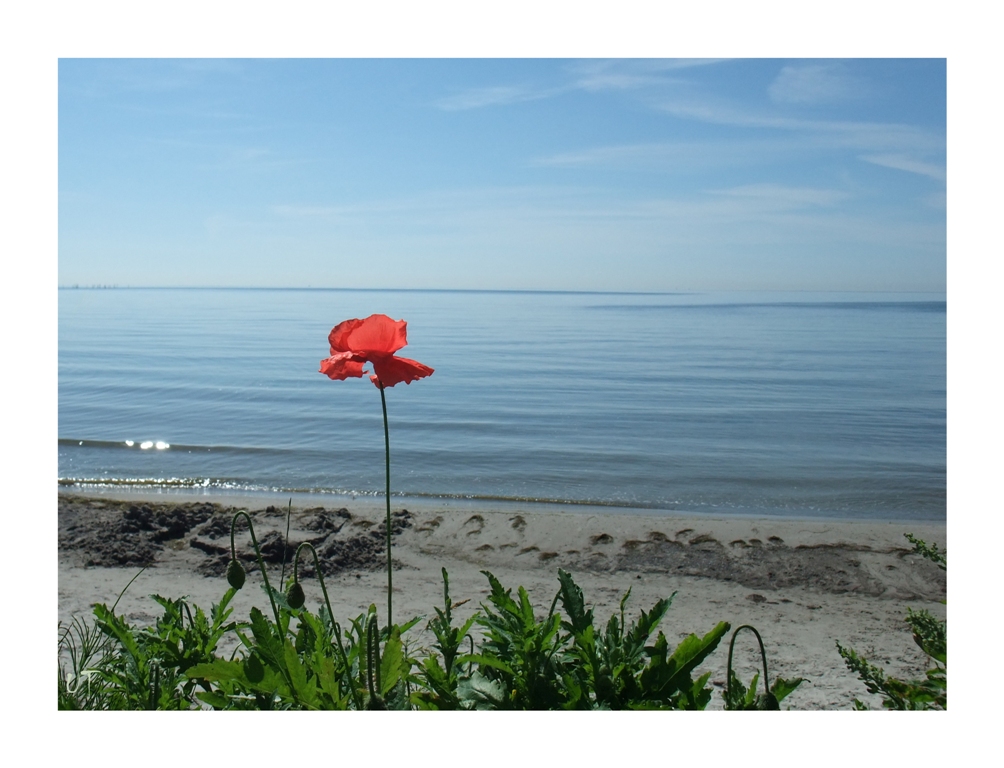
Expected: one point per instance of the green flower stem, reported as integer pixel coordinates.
(261, 563)
(285, 544)
(331, 614)
(390, 567)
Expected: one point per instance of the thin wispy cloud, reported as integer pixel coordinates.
(779, 196)
(838, 133)
(210, 155)
(619, 75)
(622, 156)
(637, 66)
(493, 96)
(600, 75)
(908, 164)
(683, 156)
(814, 84)
(164, 75)
(619, 81)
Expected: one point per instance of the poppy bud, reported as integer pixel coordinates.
(295, 596)
(235, 574)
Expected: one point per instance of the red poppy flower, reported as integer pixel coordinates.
(373, 340)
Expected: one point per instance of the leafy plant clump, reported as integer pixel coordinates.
(931, 635)
(567, 662)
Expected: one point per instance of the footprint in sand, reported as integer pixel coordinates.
(478, 521)
(601, 538)
(431, 526)
(518, 523)
(704, 538)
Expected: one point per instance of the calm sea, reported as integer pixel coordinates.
(829, 405)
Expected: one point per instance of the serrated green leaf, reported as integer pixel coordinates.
(573, 601)
(305, 690)
(666, 677)
(217, 671)
(487, 661)
(481, 693)
(392, 663)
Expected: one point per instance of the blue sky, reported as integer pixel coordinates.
(504, 174)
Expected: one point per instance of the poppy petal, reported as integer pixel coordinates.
(377, 335)
(341, 366)
(338, 338)
(392, 370)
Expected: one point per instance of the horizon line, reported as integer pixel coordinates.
(681, 292)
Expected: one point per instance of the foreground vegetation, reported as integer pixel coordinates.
(297, 659)
(506, 656)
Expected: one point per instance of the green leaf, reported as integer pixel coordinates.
(481, 693)
(782, 687)
(213, 699)
(253, 669)
(266, 642)
(487, 661)
(409, 624)
(574, 604)
(219, 670)
(666, 677)
(392, 663)
(304, 690)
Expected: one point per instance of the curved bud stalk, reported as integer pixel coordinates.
(770, 700)
(296, 593)
(237, 570)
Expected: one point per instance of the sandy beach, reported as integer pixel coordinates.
(804, 584)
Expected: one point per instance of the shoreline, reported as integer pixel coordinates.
(805, 584)
(254, 499)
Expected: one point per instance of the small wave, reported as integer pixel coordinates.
(161, 445)
(210, 483)
(199, 483)
(148, 482)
